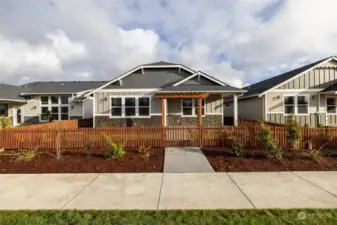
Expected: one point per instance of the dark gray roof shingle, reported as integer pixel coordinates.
(160, 63)
(60, 86)
(331, 88)
(11, 92)
(262, 86)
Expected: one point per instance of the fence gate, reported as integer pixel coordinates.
(179, 136)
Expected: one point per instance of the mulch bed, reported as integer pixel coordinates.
(77, 161)
(223, 161)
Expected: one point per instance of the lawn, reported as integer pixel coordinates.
(214, 217)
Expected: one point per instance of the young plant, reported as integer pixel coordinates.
(88, 149)
(237, 149)
(25, 155)
(5, 122)
(320, 125)
(114, 150)
(293, 134)
(58, 145)
(145, 151)
(269, 145)
(316, 154)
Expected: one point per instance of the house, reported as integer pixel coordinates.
(308, 92)
(31, 102)
(155, 94)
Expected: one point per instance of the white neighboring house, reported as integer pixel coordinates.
(308, 92)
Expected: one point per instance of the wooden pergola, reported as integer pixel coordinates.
(175, 95)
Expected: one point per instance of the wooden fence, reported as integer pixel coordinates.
(133, 137)
(65, 124)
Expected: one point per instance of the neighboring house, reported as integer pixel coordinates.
(160, 94)
(156, 94)
(309, 92)
(30, 102)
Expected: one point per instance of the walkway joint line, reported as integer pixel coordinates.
(161, 188)
(241, 190)
(81, 190)
(313, 184)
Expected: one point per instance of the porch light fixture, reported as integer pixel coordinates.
(313, 97)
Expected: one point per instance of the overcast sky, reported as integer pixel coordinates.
(239, 42)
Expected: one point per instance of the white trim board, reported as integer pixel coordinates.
(200, 73)
(128, 90)
(296, 90)
(300, 74)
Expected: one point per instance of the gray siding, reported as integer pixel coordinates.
(302, 120)
(250, 108)
(321, 77)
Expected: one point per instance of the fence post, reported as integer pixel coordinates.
(200, 136)
(163, 137)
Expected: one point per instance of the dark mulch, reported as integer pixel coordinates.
(76, 161)
(223, 161)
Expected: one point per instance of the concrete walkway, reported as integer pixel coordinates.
(186, 160)
(169, 191)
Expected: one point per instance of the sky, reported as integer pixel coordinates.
(238, 41)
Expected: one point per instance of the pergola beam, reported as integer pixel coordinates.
(181, 95)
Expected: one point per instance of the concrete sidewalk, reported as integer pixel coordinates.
(186, 160)
(169, 191)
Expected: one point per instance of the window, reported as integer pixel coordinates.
(130, 106)
(296, 104)
(302, 104)
(190, 107)
(331, 105)
(116, 106)
(144, 106)
(55, 106)
(3, 109)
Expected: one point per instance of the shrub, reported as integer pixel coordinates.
(269, 145)
(5, 122)
(88, 149)
(114, 150)
(320, 125)
(145, 151)
(306, 125)
(293, 134)
(24, 155)
(315, 155)
(237, 149)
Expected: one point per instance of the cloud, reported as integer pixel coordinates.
(236, 41)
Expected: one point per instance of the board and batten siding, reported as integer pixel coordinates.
(320, 77)
(214, 104)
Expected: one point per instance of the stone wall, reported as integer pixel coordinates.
(177, 120)
(106, 121)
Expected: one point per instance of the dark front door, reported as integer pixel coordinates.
(18, 116)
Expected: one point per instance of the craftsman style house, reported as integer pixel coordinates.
(156, 94)
(309, 93)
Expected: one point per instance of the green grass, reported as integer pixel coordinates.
(193, 217)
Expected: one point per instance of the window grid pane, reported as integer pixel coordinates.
(54, 100)
(44, 100)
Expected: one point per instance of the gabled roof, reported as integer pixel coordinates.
(160, 63)
(332, 88)
(11, 93)
(200, 73)
(261, 87)
(59, 87)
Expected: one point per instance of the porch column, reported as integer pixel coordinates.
(163, 112)
(235, 106)
(200, 111)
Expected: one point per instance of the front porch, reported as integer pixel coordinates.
(194, 108)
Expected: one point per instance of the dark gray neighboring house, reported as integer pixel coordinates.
(308, 92)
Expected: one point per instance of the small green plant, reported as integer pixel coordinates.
(114, 150)
(315, 155)
(306, 125)
(293, 134)
(320, 125)
(88, 149)
(5, 122)
(23, 155)
(269, 145)
(145, 151)
(237, 149)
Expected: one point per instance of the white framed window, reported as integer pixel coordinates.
(3, 109)
(130, 106)
(56, 106)
(296, 104)
(189, 107)
(331, 105)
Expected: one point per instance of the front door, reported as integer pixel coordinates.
(17, 116)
